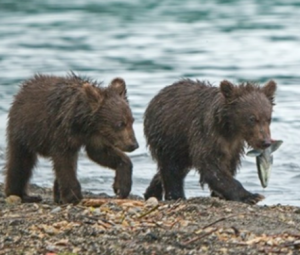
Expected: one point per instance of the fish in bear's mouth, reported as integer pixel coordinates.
(264, 161)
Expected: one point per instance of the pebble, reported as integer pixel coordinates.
(152, 201)
(56, 209)
(13, 200)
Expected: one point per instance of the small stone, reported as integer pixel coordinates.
(13, 200)
(297, 211)
(134, 210)
(49, 229)
(50, 248)
(228, 210)
(297, 244)
(249, 208)
(56, 209)
(170, 248)
(125, 236)
(152, 201)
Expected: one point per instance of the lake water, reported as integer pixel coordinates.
(151, 44)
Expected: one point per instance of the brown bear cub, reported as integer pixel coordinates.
(192, 124)
(56, 116)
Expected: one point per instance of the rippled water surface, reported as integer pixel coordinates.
(152, 44)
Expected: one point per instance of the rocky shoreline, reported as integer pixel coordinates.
(104, 225)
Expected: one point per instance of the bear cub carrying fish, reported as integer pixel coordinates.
(191, 124)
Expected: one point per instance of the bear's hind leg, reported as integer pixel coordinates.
(155, 188)
(20, 163)
(172, 176)
(67, 188)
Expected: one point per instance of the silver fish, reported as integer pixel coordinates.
(264, 161)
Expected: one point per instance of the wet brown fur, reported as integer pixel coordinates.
(192, 124)
(54, 117)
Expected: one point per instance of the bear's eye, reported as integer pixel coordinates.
(121, 125)
(252, 120)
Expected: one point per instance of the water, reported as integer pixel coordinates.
(152, 44)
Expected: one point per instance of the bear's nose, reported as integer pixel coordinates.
(266, 143)
(132, 147)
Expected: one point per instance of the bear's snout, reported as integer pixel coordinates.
(266, 143)
(132, 147)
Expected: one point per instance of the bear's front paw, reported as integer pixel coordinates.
(71, 198)
(70, 194)
(252, 199)
(122, 188)
(31, 199)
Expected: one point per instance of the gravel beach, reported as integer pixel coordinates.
(104, 225)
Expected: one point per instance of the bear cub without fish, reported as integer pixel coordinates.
(192, 124)
(54, 117)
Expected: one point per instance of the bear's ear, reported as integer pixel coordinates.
(94, 97)
(227, 89)
(119, 85)
(269, 90)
